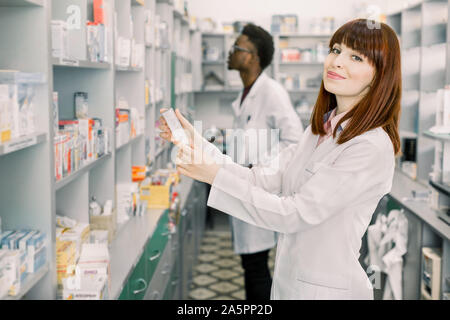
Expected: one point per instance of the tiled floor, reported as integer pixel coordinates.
(218, 274)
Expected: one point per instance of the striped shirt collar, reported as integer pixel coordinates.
(334, 119)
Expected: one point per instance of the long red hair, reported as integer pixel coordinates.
(380, 107)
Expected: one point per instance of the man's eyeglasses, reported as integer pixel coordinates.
(235, 48)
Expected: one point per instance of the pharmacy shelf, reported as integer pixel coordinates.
(178, 14)
(212, 34)
(80, 64)
(443, 188)
(22, 143)
(21, 3)
(128, 69)
(131, 141)
(185, 59)
(26, 26)
(213, 63)
(30, 282)
(402, 188)
(441, 137)
(73, 176)
(127, 248)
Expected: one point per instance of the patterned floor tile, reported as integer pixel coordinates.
(206, 257)
(240, 295)
(210, 248)
(225, 244)
(219, 274)
(225, 263)
(204, 280)
(225, 274)
(222, 234)
(210, 240)
(201, 294)
(238, 268)
(225, 252)
(223, 287)
(205, 267)
(239, 281)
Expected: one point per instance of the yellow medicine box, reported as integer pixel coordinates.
(157, 197)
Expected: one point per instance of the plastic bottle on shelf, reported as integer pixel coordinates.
(94, 208)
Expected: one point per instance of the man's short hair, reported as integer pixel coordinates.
(263, 42)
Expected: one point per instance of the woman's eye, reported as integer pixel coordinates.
(356, 58)
(335, 50)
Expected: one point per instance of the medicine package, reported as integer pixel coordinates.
(175, 126)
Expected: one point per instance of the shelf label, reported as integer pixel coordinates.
(14, 146)
(69, 62)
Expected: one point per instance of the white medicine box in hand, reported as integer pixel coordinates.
(175, 126)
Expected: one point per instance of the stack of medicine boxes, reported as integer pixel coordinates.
(22, 253)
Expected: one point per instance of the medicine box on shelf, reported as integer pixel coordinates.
(105, 222)
(158, 196)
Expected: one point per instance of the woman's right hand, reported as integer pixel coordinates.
(166, 134)
(196, 142)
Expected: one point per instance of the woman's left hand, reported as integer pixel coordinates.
(196, 164)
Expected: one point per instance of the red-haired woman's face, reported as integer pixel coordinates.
(347, 73)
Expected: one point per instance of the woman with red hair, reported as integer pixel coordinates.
(321, 193)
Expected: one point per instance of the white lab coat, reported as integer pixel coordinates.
(387, 241)
(321, 201)
(269, 107)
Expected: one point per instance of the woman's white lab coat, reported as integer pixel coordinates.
(267, 106)
(321, 201)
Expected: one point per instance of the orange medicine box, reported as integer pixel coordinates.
(138, 173)
(99, 12)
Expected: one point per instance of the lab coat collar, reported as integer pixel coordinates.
(236, 105)
(254, 89)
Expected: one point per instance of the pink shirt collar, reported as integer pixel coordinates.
(330, 122)
(333, 120)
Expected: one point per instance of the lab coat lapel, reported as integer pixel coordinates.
(323, 149)
(248, 104)
(328, 145)
(235, 105)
